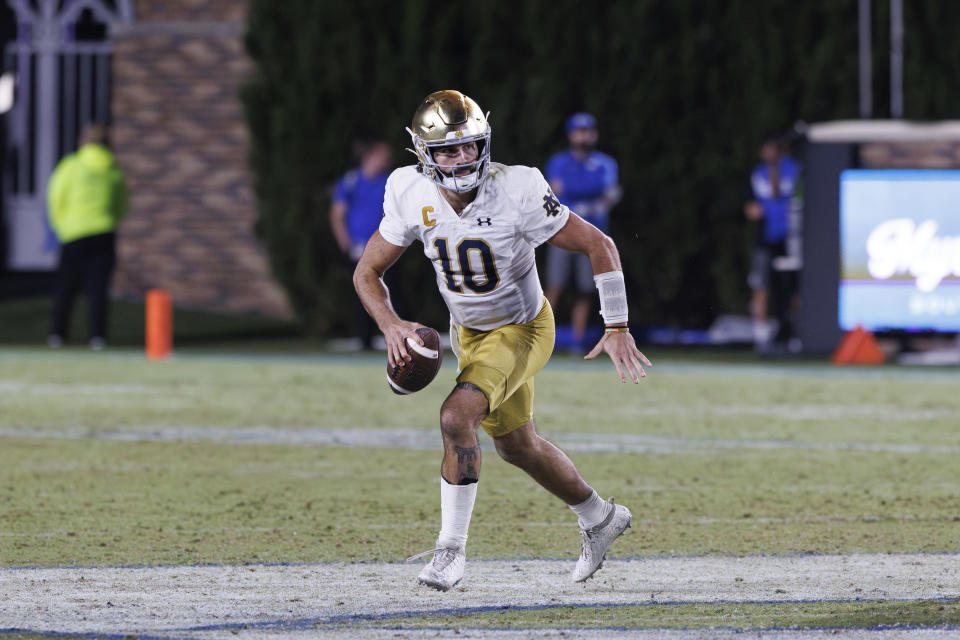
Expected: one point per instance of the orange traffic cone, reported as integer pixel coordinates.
(858, 347)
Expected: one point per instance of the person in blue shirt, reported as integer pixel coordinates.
(586, 181)
(773, 183)
(357, 209)
(357, 206)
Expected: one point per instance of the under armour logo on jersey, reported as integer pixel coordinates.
(550, 204)
(484, 221)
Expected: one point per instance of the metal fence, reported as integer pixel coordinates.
(61, 58)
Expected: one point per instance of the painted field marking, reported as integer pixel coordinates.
(184, 600)
(663, 366)
(15, 387)
(429, 440)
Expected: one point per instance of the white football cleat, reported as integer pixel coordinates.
(445, 569)
(597, 539)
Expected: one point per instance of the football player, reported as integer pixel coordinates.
(479, 223)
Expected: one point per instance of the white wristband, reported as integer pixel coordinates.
(613, 296)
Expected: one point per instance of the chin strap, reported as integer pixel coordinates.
(452, 182)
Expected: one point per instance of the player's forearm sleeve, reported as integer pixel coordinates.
(613, 297)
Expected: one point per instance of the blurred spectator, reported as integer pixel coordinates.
(86, 198)
(357, 210)
(773, 183)
(586, 181)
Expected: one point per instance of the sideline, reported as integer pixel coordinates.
(259, 600)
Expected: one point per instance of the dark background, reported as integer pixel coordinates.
(684, 91)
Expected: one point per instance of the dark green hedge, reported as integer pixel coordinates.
(683, 89)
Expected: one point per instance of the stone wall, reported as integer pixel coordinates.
(179, 134)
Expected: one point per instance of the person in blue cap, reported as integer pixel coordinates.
(774, 182)
(585, 180)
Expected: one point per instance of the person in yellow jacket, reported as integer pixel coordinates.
(86, 198)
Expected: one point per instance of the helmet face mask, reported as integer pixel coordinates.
(445, 119)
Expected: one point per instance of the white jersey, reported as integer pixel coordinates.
(484, 258)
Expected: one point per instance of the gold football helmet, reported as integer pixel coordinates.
(447, 118)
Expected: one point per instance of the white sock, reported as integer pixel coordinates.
(456, 506)
(591, 511)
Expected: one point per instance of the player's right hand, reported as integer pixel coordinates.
(396, 335)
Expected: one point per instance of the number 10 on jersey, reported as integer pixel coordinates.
(486, 282)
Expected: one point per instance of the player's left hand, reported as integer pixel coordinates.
(622, 349)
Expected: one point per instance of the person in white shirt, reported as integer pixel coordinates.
(479, 223)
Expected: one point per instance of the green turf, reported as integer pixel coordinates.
(86, 501)
(802, 615)
(118, 389)
(93, 502)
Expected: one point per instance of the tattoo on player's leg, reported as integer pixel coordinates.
(467, 454)
(467, 470)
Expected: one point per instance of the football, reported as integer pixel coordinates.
(422, 369)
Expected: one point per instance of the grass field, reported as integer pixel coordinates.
(235, 459)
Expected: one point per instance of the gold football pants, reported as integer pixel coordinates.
(502, 363)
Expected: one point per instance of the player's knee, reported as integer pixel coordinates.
(462, 411)
(456, 423)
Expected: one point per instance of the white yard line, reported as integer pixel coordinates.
(429, 439)
(806, 412)
(214, 601)
(15, 387)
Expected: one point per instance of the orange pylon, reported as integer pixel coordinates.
(858, 347)
(159, 329)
